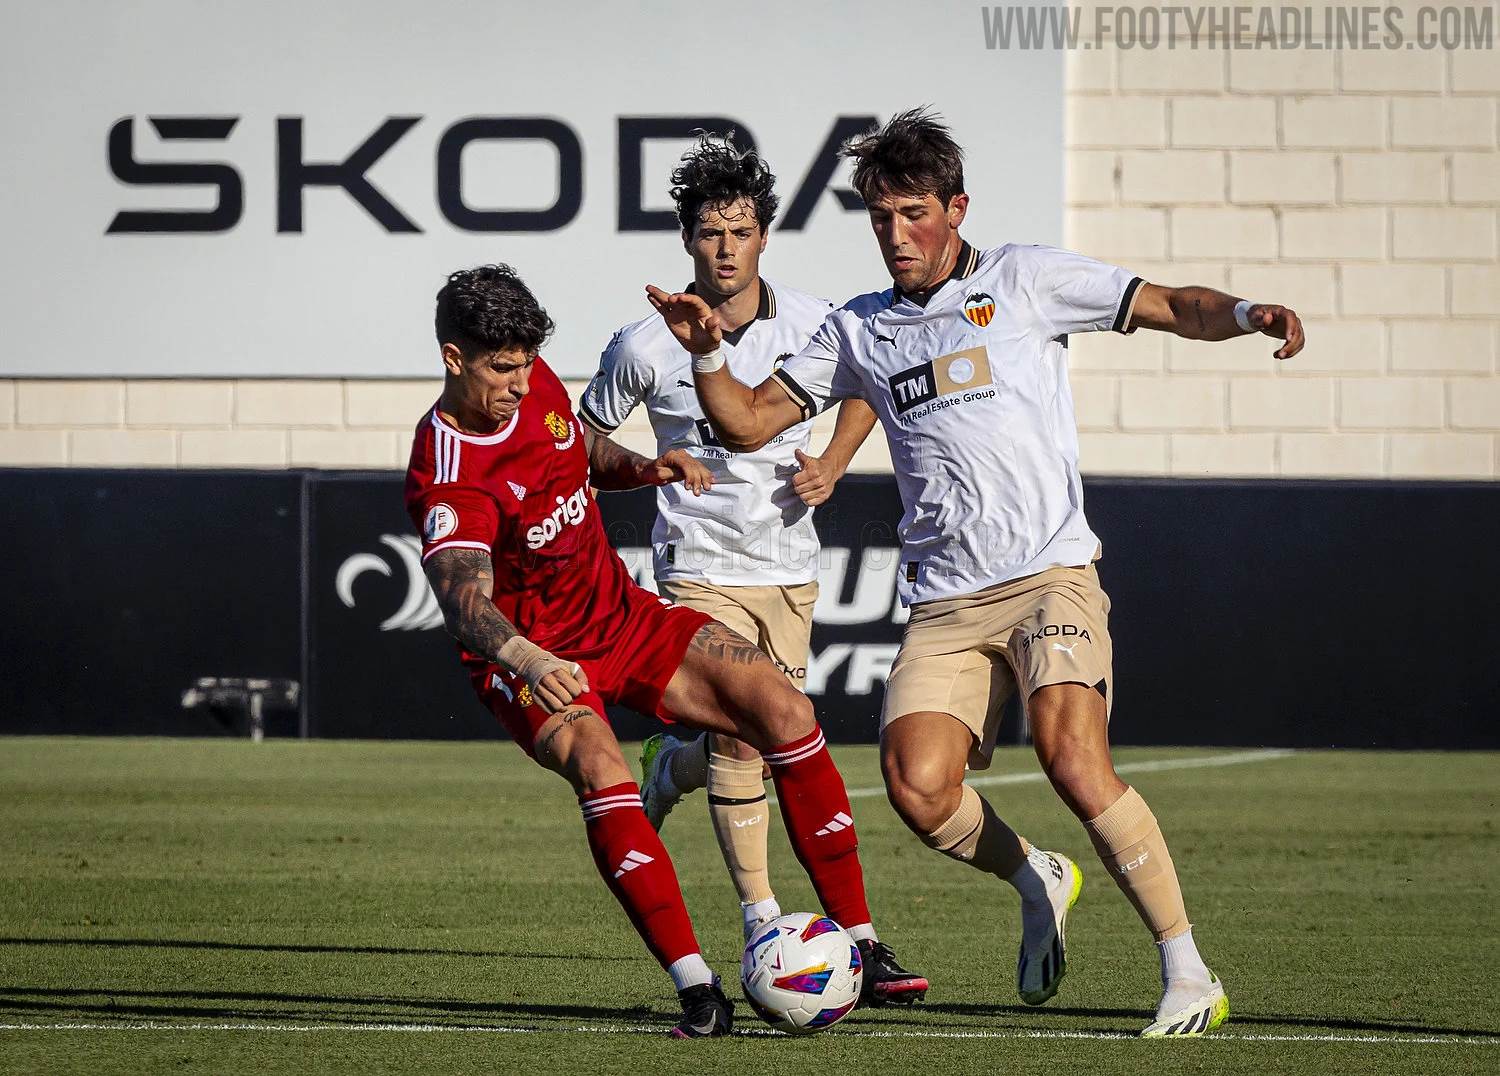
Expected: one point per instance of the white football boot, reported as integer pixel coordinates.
(1044, 945)
(1189, 1009)
(658, 794)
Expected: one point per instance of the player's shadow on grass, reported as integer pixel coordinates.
(258, 947)
(1237, 1019)
(319, 1008)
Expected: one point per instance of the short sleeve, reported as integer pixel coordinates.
(623, 381)
(821, 373)
(1074, 293)
(450, 515)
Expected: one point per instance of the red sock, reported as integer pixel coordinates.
(815, 808)
(638, 871)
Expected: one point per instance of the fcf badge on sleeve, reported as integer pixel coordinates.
(441, 521)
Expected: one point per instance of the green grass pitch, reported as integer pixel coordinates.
(220, 906)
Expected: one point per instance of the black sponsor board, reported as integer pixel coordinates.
(1302, 614)
(1244, 612)
(122, 587)
(380, 665)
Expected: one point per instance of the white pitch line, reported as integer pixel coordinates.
(1233, 758)
(1397, 1039)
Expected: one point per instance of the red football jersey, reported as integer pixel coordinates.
(522, 494)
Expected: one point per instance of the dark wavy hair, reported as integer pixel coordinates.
(488, 309)
(912, 154)
(716, 172)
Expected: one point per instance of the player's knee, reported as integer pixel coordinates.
(601, 766)
(1070, 734)
(1082, 775)
(583, 749)
(923, 790)
(784, 715)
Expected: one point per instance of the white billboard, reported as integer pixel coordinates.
(259, 189)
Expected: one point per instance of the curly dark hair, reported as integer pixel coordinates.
(913, 154)
(716, 172)
(488, 309)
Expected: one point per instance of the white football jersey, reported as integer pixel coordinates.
(751, 529)
(972, 390)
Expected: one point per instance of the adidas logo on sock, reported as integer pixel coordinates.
(633, 859)
(840, 822)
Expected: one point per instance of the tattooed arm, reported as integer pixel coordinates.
(1196, 313)
(613, 466)
(463, 580)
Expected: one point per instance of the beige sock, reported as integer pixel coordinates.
(737, 805)
(976, 836)
(1130, 843)
(689, 765)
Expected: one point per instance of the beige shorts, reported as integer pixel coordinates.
(965, 656)
(776, 619)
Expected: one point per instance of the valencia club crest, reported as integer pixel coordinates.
(980, 308)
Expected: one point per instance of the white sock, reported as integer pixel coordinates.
(691, 970)
(1180, 960)
(761, 909)
(862, 932)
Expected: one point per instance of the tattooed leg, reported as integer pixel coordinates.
(560, 723)
(726, 644)
(725, 684)
(580, 745)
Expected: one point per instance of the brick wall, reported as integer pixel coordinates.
(262, 424)
(1362, 188)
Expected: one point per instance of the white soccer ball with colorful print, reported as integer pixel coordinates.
(801, 973)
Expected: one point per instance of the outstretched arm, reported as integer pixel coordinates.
(613, 466)
(1196, 313)
(463, 581)
(744, 419)
(819, 474)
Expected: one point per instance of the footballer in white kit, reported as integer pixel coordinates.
(972, 390)
(964, 361)
(743, 549)
(750, 528)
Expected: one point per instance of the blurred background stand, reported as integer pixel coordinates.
(240, 703)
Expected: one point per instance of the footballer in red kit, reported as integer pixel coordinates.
(522, 495)
(552, 630)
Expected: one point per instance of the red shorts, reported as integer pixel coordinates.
(633, 671)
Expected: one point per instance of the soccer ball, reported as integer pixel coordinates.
(801, 973)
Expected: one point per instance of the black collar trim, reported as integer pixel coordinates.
(963, 266)
(764, 311)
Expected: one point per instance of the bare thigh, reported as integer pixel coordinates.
(726, 685)
(1070, 730)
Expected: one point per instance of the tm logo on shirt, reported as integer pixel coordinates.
(962, 370)
(706, 433)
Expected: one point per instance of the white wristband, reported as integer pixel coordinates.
(710, 363)
(1242, 315)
